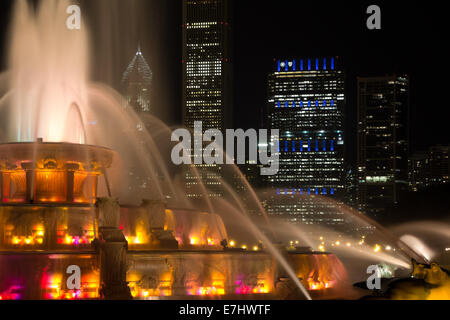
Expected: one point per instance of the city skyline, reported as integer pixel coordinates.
(359, 51)
(341, 31)
(223, 150)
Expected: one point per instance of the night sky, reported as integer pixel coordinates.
(413, 41)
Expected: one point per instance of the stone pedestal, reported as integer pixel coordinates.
(284, 286)
(163, 239)
(112, 248)
(159, 237)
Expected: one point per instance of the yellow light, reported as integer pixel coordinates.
(139, 238)
(244, 247)
(255, 248)
(232, 243)
(193, 240)
(16, 240)
(40, 233)
(388, 248)
(377, 248)
(348, 244)
(338, 243)
(321, 238)
(321, 248)
(27, 240)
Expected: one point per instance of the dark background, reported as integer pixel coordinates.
(413, 41)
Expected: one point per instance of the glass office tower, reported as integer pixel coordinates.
(306, 103)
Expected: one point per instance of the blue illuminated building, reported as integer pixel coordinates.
(307, 106)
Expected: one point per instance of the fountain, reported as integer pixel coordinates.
(67, 198)
(51, 217)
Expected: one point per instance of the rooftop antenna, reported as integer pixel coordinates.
(139, 48)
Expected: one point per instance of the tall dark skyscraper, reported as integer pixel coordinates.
(418, 171)
(306, 103)
(383, 104)
(207, 77)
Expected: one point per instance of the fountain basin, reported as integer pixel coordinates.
(48, 222)
(181, 274)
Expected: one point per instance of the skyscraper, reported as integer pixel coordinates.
(439, 165)
(418, 171)
(306, 103)
(136, 83)
(429, 169)
(136, 90)
(383, 104)
(207, 77)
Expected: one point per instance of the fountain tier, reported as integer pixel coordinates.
(51, 172)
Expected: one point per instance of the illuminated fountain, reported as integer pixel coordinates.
(67, 199)
(51, 218)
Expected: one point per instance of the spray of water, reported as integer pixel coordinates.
(267, 243)
(418, 246)
(49, 63)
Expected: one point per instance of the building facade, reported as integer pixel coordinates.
(428, 169)
(306, 103)
(207, 79)
(382, 151)
(439, 165)
(418, 171)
